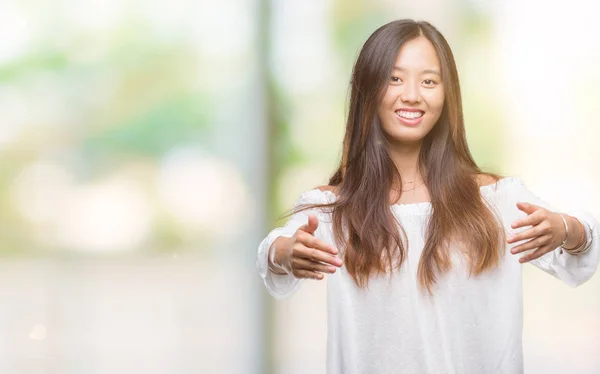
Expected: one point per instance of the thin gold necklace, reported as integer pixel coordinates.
(410, 189)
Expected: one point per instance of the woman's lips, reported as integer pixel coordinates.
(400, 114)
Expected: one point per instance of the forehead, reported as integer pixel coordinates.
(418, 54)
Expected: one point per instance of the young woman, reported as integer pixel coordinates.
(422, 249)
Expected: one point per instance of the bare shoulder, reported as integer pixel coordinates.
(487, 179)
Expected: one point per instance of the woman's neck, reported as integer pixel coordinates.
(406, 160)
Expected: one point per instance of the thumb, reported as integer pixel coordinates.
(311, 226)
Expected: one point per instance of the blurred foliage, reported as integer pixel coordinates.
(126, 98)
(155, 130)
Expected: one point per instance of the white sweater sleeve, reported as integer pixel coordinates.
(573, 270)
(283, 286)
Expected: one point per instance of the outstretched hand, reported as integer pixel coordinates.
(303, 255)
(547, 232)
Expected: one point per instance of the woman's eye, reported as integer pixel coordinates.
(429, 82)
(395, 80)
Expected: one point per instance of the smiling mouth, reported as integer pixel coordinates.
(410, 114)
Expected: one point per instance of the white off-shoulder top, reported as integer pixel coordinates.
(471, 325)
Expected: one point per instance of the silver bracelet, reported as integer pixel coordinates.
(566, 230)
(587, 242)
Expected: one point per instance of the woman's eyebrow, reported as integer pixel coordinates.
(426, 71)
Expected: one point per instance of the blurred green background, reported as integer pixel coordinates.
(146, 148)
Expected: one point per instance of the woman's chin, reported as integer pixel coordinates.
(405, 140)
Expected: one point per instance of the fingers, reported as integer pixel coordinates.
(531, 244)
(304, 264)
(535, 254)
(310, 241)
(316, 255)
(304, 268)
(531, 220)
(538, 230)
(311, 256)
(308, 274)
(540, 234)
(528, 208)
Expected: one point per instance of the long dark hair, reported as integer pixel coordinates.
(363, 223)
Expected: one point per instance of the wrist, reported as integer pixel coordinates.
(274, 257)
(274, 270)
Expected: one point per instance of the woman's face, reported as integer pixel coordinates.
(414, 98)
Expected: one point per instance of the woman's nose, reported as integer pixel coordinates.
(410, 94)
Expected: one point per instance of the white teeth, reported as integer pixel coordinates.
(409, 115)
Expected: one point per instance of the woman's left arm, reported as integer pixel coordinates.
(545, 236)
